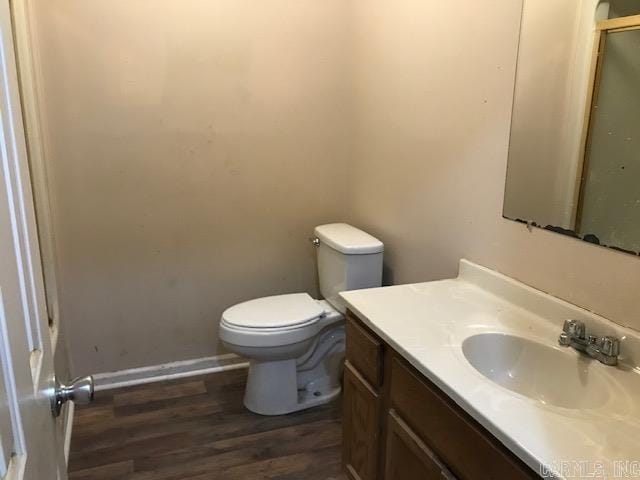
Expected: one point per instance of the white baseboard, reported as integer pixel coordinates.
(68, 429)
(168, 371)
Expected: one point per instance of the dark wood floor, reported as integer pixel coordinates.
(198, 429)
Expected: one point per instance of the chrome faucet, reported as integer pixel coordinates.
(604, 349)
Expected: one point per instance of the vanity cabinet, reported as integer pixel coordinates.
(398, 425)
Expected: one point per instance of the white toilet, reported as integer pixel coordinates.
(295, 344)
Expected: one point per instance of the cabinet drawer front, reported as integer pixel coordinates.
(361, 426)
(408, 458)
(454, 436)
(364, 351)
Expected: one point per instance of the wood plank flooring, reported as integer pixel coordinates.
(197, 429)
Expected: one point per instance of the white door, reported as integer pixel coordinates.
(30, 445)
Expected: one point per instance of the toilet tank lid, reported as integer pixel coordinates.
(347, 239)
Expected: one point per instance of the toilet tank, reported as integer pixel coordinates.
(348, 259)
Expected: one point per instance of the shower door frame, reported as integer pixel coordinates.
(603, 29)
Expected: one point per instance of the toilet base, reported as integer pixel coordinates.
(284, 386)
(278, 398)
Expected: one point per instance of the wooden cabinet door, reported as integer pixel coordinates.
(469, 450)
(408, 458)
(361, 426)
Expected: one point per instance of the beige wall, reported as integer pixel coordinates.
(435, 87)
(193, 146)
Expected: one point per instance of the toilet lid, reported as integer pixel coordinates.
(273, 312)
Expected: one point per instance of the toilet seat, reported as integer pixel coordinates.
(275, 312)
(270, 330)
(261, 337)
(274, 321)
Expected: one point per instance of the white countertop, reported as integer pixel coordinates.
(427, 322)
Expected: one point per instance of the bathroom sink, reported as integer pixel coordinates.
(543, 373)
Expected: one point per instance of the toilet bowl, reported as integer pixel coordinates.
(295, 344)
(292, 365)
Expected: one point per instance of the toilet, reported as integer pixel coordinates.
(294, 343)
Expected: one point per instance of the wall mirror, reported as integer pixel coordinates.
(574, 150)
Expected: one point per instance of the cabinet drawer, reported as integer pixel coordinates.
(449, 431)
(364, 351)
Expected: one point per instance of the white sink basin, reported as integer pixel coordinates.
(543, 373)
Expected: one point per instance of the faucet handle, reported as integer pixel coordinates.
(574, 328)
(610, 346)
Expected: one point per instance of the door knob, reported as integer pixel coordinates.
(79, 391)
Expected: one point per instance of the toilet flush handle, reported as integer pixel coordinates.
(315, 241)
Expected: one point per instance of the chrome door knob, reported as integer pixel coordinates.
(79, 391)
